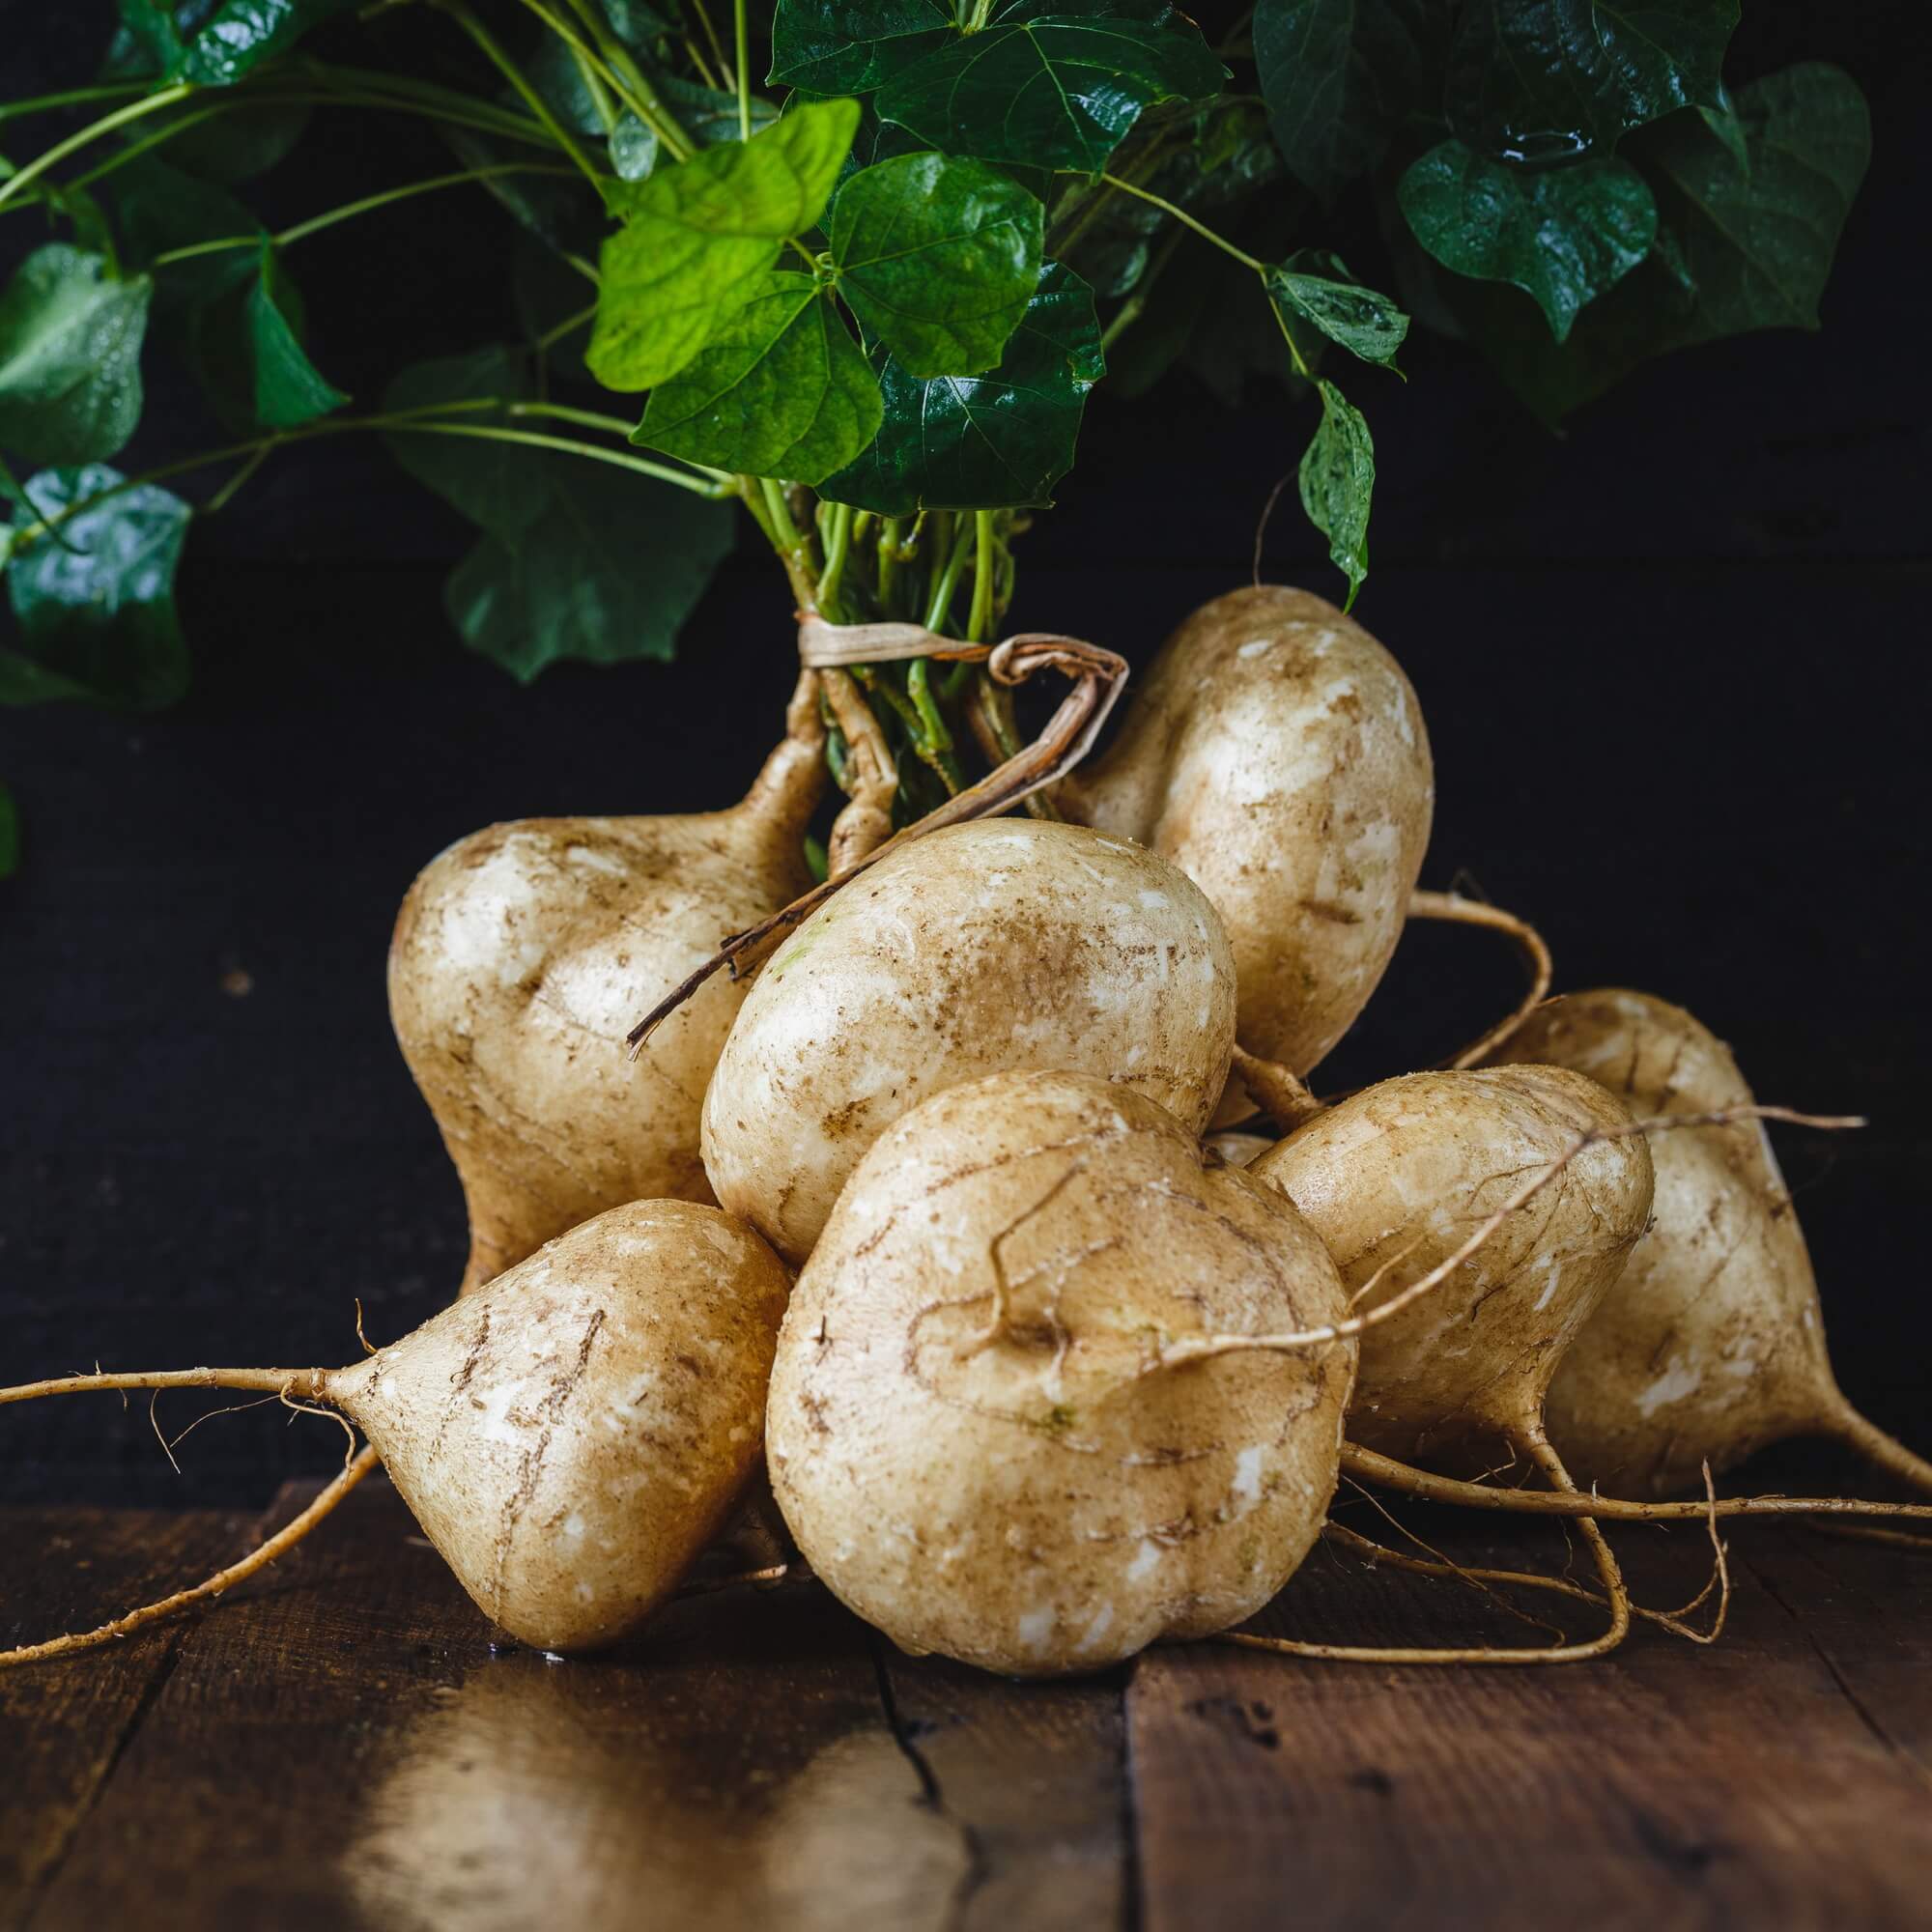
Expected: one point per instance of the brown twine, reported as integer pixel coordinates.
(1099, 678)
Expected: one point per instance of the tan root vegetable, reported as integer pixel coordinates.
(1712, 1346)
(514, 975)
(1394, 1179)
(1275, 752)
(970, 1431)
(570, 1435)
(1239, 1146)
(1005, 945)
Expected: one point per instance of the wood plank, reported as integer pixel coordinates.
(1666, 1785)
(64, 1724)
(347, 1748)
(1033, 1777)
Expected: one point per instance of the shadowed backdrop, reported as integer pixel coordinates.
(1673, 666)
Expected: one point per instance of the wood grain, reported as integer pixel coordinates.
(347, 1748)
(62, 1726)
(1668, 1785)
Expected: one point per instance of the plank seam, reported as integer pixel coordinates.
(1903, 1753)
(979, 1867)
(1134, 1904)
(151, 1694)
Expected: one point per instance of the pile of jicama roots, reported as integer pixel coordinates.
(991, 1215)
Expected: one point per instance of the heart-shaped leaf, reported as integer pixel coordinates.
(1052, 89)
(938, 259)
(1338, 481)
(289, 389)
(1541, 80)
(71, 357)
(1339, 75)
(501, 488)
(1738, 248)
(698, 237)
(608, 573)
(781, 390)
(1562, 235)
(218, 46)
(1317, 286)
(850, 46)
(96, 611)
(981, 442)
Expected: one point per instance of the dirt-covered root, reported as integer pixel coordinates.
(285, 1539)
(865, 822)
(1278, 1091)
(1617, 1596)
(1458, 910)
(1368, 1465)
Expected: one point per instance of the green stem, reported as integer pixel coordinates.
(568, 327)
(410, 422)
(619, 458)
(979, 622)
(593, 85)
(742, 33)
(939, 611)
(889, 563)
(633, 88)
(590, 419)
(1188, 220)
(445, 102)
(794, 552)
(514, 74)
(316, 223)
(838, 546)
(151, 103)
(697, 7)
(74, 97)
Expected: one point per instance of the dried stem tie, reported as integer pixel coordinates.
(1098, 677)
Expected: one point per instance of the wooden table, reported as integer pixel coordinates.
(342, 1745)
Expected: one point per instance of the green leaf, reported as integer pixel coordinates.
(1562, 235)
(1338, 479)
(1052, 90)
(710, 116)
(97, 615)
(938, 259)
(981, 442)
(1317, 286)
(1543, 80)
(9, 834)
(781, 390)
(1339, 76)
(71, 357)
(240, 34)
(289, 389)
(1736, 250)
(608, 573)
(501, 488)
(158, 207)
(698, 237)
(1757, 240)
(634, 147)
(849, 46)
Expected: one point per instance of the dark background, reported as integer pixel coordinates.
(1673, 666)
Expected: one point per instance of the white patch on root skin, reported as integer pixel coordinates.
(1036, 1627)
(1256, 647)
(1740, 1366)
(1103, 1622)
(1143, 1564)
(1672, 1385)
(1247, 1485)
(597, 861)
